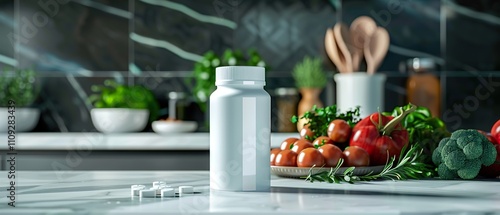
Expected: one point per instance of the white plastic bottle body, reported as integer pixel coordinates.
(240, 127)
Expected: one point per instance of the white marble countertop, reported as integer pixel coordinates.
(124, 141)
(108, 192)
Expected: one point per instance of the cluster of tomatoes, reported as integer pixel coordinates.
(494, 137)
(323, 151)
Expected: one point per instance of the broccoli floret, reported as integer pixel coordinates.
(449, 147)
(473, 151)
(446, 173)
(454, 160)
(436, 156)
(458, 133)
(462, 154)
(443, 142)
(489, 154)
(470, 169)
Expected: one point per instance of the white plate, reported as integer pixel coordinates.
(297, 172)
(169, 127)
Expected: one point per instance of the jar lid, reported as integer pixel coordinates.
(421, 63)
(240, 75)
(282, 91)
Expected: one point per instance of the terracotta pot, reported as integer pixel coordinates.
(310, 97)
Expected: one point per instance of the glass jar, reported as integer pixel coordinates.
(423, 88)
(286, 102)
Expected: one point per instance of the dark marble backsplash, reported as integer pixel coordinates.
(75, 44)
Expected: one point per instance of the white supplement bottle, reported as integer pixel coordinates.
(240, 129)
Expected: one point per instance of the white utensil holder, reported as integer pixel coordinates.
(360, 89)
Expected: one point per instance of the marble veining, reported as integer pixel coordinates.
(166, 45)
(108, 192)
(192, 13)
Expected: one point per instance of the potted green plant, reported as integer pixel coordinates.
(19, 90)
(120, 108)
(204, 71)
(310, 79)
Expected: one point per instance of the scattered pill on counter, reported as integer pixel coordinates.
(185, 190)
(160, 189)
(167, 192)
(151, 193)
(134, 189)
(158, 183)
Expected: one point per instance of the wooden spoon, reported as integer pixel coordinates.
(375, 49)
(343, 40)
(333, 51)
(361, 28)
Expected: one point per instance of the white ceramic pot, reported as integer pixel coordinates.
(119, 120)
(25, 119)
(360, 89)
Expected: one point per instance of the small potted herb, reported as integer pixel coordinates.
(310, 79)
(121, 108)
(204, 71)
(19, 90)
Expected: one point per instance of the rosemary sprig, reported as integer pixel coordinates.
(409, 166)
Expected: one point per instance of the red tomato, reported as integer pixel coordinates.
(287, 143)
(322, 140)
(339, 130)
(331, 154)
(369, 135)
(305, 131)
(356, 156)
(286, 158)
(301, 145)
(495, 131)
(274, 152)
(310, 157)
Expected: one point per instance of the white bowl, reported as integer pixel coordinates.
(25, 119)
(168, 127)
(119, 120)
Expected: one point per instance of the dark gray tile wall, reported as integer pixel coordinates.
(74, 44)
(413, 26)
(472, 35)
(7, 42)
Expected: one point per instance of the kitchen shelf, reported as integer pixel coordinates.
(123, 141)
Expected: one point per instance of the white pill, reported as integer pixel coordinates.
(134, 189)
(167, 192)
(159, 188)
(158, 183)
(185, 190)
(147, 193)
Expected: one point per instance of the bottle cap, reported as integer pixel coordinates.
(240, 75)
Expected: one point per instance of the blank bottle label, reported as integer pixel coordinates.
(249, 143)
